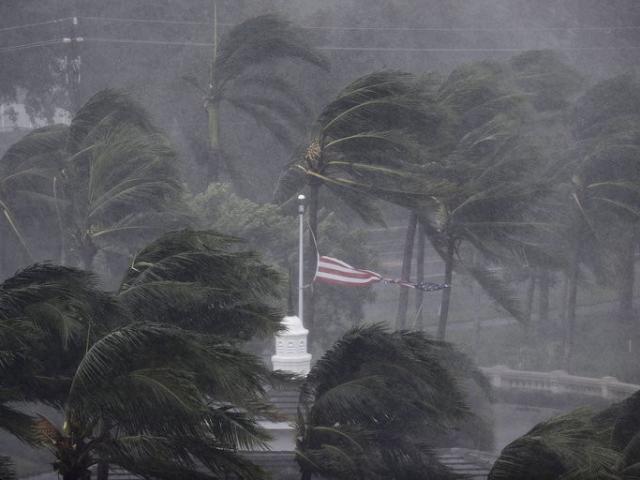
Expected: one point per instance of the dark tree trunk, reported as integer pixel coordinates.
(446, 293)
(531, 290)
(420, 277)
(213, 160)
(626, 277)
(311, 260)
(88, 252)
(544, 328)
(403, 297)
(529, 339)
(77, 475)
(103, 471)
(572, 296)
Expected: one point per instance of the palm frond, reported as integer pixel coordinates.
(260, 39)
(6, 469)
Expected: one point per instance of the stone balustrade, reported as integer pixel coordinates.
(558, 382)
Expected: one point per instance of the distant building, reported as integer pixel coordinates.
(15, 121)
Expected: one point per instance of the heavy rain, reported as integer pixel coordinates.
(338, 239)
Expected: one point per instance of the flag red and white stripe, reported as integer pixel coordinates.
(336, 272)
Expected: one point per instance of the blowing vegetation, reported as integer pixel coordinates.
(155, 163)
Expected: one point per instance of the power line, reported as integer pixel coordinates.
(438, 50)
(25, 46)
(29, 25)
(324, 47)
(382, 28)
(364, 49)
(148, 42)
(145, 20)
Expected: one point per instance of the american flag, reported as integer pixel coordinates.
(336, 272)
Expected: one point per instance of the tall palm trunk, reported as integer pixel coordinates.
(544, 288)
(420, 277)
(446, 293)
(627, 335)
(529, 339)
(88, 252)
(403, 297)
(312, 256)
(214, 155)
(572, 295)
(77, 474)
(626, 276)
(103, 471)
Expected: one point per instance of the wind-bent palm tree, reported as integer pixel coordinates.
(112, 178)
(269, 99)
(603, 183)
(493, 163)
(175, 401)
(202, 281)
(155, 399)
(488, 165)
(370, 405)
(579, 445)
(27, 200)
(365, 147)
(48, 314)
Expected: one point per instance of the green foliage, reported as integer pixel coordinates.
(365, 143)
(265, 227)
(103, 184)
(578, 445)
(269, 229)
(6, 469)
(201, 281)
(340, 309)
(153, 398)
(235, 77)
(370, 405)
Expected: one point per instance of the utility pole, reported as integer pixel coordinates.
(72, 64)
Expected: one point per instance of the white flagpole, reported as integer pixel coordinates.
(301, 199)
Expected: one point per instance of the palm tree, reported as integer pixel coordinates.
(487, 162)
(26, 198)
(490, 157)
(202, 281)
(364, 147)
(168, 414)
(126, 401)
(606, 180)
(48, 314)
(595, 200)
(367, 403)
(578, 445)
(111, 175)
(270, 100)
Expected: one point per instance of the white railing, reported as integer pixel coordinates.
(558, 382)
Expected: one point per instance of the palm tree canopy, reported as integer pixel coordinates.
(108, 180)
(152, 398)
(260, 39)
(201, 280)
(368, 403)
(368, 143)
(579, 445)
